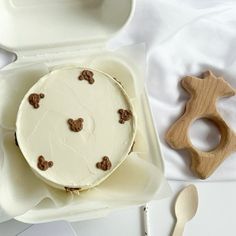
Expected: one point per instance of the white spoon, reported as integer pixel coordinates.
(185, 208)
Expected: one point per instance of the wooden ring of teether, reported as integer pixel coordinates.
(204, 93)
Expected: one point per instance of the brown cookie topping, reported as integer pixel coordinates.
(75, 125)
(43, 164)
(125, 115)
(68, 189)
(87, 75)
(105, 164)
(34, 99)
(16, 142)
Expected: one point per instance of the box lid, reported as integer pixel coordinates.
(31, 25)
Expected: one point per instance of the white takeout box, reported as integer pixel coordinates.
(59, 31)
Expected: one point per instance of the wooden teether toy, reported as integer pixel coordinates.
(204, 93)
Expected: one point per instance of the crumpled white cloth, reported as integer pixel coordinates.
(183, 38)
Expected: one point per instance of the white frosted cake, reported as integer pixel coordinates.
(74, 127)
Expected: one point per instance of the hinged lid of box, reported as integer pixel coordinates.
(31, 25)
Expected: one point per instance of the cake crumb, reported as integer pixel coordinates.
(68, 189)
(16, 142)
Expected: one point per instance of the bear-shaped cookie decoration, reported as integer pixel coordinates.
(34, 99)
(125, 115)
(75, 125)
(87, 75)
(43, 164)
(105, 164)
(204, 93)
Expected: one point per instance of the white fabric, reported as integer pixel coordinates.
(185, 37)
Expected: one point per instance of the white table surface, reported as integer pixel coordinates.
(215, 217)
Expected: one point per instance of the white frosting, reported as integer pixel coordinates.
(44, 131)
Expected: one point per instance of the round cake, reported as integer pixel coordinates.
(75, 126)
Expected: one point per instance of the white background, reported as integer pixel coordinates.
(157, 22)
